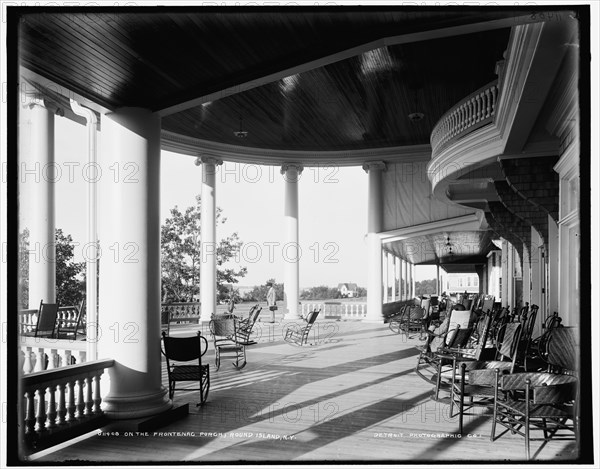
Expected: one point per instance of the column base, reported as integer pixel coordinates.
(292, 316)
(380, 320)
(136, 405)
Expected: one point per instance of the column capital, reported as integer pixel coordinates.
(369, 165)
(31, 100)
(208, 160)
(298, 166)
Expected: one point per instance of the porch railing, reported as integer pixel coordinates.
(28, 318)
(61, 404)
(41, 354)
(350, 310)
(471, 113)
(182, 313)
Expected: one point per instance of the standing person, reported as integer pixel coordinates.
(271, 301)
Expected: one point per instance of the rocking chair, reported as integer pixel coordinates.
(228, 341)
(297, 335)
(180, 353)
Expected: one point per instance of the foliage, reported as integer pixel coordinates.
(259, 292)
(70, 288)
(181, 255)
(321, 292)
(425, 287)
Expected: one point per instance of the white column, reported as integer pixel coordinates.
(291, 249)
(394, 277)
(386, 275)
(40, 173)
(129, 233)
(208, 231)
(374, 226)
(411, 274)
(91, 253)
(437, 283)
(401, 289)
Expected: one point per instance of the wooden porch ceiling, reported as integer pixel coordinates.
(467, 248)
(358, 73)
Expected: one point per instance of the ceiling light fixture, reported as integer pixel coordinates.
(240, 133)
(416, 116)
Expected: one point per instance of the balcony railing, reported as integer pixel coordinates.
(61, 404)
(471, 113)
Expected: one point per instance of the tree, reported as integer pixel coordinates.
(181, 251)
(425, 287)
(259, 292)
(70, 288)
(322, 292)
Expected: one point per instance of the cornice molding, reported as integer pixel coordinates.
(171, 141)
(471, 222)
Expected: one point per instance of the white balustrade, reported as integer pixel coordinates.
(180, 312)
(472, 112)
(41, 354)
(345, 310)
(57, 400)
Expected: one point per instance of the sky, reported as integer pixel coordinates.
(332, 211)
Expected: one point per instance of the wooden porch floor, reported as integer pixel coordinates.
(352, 396)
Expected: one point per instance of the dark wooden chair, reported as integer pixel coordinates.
(396, 319)
(452, 334)
(73, 322)
(184, 363)
(298, 335)
(413, 321)
(474, 380)
(246, 326)
(228, 341)
(542, 401)
(46, 321)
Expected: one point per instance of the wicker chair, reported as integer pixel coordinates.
(228, 341)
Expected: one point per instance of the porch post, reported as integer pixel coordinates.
(291, 250)
(411, 274)
(386, 275)
(40, 173)
(208, 229)
(129, 233)
(394, 265)
(374, 226)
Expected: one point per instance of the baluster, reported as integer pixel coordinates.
(29, 413)
(469, 114)
(52, 407)
(494, 96)
(65, 357)
(40, 416)
(27, 365)
(40, 360)
(52, 359)
(97, 396)
(62, 409)
(488, 102)
(79, 404)
(70, 402)
(88, 396)
(473, 110)
(480, 97)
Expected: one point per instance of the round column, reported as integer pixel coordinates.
(129, 233)
(374, 226)
(291, 249)
(40, 176)
(208, 230)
